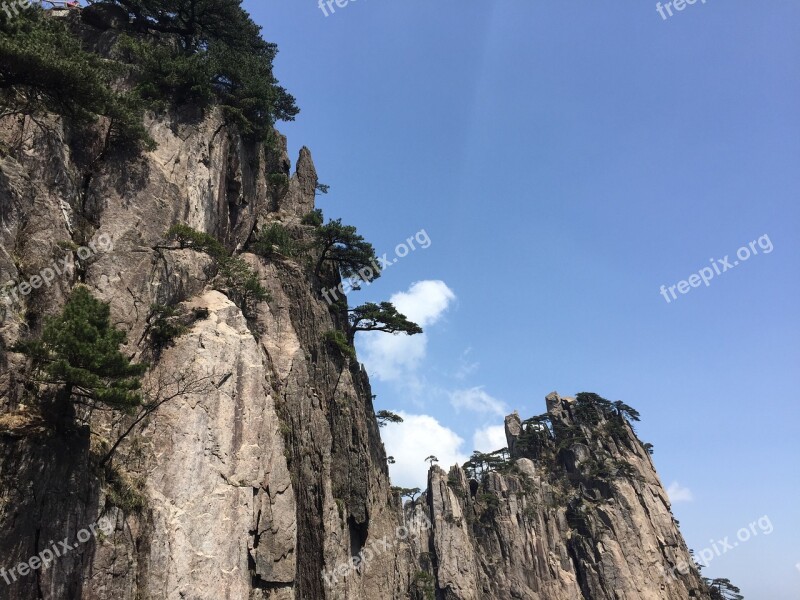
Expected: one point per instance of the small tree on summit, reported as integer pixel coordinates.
(380, 317)
(626, 412)
(196, 50)
(353, 256)
(723, 589)
(79, 352)
(431, 459)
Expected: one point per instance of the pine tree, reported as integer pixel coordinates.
(219, 53)
(383, 317)
(626, 412)
(344, 247)
(385, 417)
(723, 589)
(410, 493)
(44, 68)
(78, 351)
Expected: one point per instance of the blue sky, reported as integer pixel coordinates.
(566, 160)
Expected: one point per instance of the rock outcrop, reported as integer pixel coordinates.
(575, 511)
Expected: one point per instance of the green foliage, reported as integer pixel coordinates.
(164, 326)
(482, 463)
(239, 279)
(723, 589)
(176, 52)
(214, 51)
(196, 240)
(44, 68)
(275, 240)
(123, 493)
(590, 408)
(341, 508)
(79, 351)
(531, 515)
(385, 417)
(344, 247)
(278, 180)
(242, 284)
(423, 586)
(380, 317)
(165, 77)
(568, 437)
(454, 481)
(488, 500)
(607, 470)
(431, 460)
(626, 412)
(410, 493)
(536, 436)
(338, 341)
(314, 218)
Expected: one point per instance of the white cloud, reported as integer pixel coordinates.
(678, 493)
(412, 441)
(490, 438)
(424, 302)
(395, 357)
(465, 367)
(477, 400)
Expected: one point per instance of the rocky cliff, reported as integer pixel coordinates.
(262, 474)
(267, 466)
(576, 510)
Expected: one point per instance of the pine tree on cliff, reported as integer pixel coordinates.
(352, 255)
(169, 53)
(385, 417)
(723, 589)
(219, 54)
(379, 317)
(78, 352)
(45, 69)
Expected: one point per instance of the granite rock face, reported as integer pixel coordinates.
(266, 468)
(264, 475)
(553, 523)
